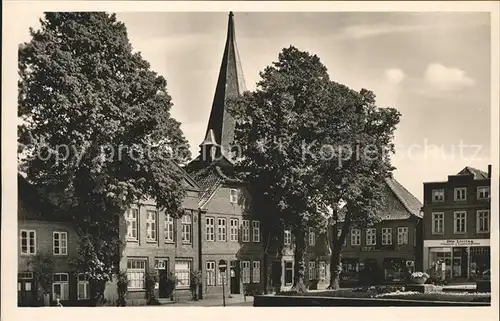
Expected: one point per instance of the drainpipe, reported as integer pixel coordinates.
(200, 263)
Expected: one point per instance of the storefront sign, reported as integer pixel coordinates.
(457, 243)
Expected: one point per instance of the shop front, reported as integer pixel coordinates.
(461, 259)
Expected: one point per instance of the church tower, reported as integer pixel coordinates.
(220, 129)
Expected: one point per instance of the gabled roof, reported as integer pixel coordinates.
(476, 173)
(409, 201)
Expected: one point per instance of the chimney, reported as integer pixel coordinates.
(489, 171)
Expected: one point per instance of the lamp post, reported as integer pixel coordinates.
(222, 269)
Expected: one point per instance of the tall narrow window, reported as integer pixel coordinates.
(233, 230)
(386, 236)
(371, 236)
(403, 235)
(460, 194)
(355, 237)
(210, 273)
(256, 271)
(60, 286)
(28, 242)
(169, 228)
(131, 216)
(288, 237)
(245, 268)
(221, 232)
(136, 273)
(483, 221)
(245, 231)
(256, 231)
(210, 229)
(60, 243)
(182, 269)
(437, 223)
(150, 225)
(459, 222)
(83, 287)
(186, 228)
(312, 270)
(312, 237)
(322, 270)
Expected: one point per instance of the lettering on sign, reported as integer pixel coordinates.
(463, 242)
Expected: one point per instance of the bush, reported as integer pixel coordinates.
(151, 279)
(194, 284)
(122, 288)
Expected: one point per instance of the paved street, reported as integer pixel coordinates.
(237, 300)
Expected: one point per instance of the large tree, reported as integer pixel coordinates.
(274, 123)
(96, 132)
(310, 144)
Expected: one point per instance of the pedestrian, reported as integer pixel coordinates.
(58, 303)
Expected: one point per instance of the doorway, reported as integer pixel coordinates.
(163, 287)
(276, 273)
(235, 277)
(26, 295)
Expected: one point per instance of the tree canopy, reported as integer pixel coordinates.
(96, 130)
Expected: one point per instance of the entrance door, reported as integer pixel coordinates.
(163, 291)
(288, 273)
(26, 289)
(276, 273)
(235, 277)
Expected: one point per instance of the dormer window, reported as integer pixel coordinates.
(233, 196)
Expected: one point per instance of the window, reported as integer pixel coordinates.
(460, 194)
(438, 195)
(182, 270)
(210, 273)
(233, 196)
(437, 223)
(131, 217)
(161, 264)
(60, 243)
(288, 237)
(312, 237)
(169, 228)
(483, 192)
(459, 221)
(312, 270)
(151, 225)
(245, 268)
(483, 221)
(256, 271)
(322, 270)
(83, 287)
(136, 273)
(371, 235)
(386, 236)
(186, 228)
(288, 272)
(355, 237)
(210, 229)
(233, 230)
(246, 231)
(256, 231)
(403, 235)
(28, 242)
(60, 286)
(221, 232)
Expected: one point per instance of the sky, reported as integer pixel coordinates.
(433, 67)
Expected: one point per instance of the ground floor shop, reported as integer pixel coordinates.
(377, 269)
(457, 259)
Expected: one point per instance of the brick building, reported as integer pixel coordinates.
(457, 224)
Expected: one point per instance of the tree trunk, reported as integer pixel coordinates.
(299, 264)
(97, 290)
(335, 267)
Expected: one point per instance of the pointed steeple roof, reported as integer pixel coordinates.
(229, 84)
(209, 139)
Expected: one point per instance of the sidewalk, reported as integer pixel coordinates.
(235, 300)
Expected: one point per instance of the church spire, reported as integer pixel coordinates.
(229, 84)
